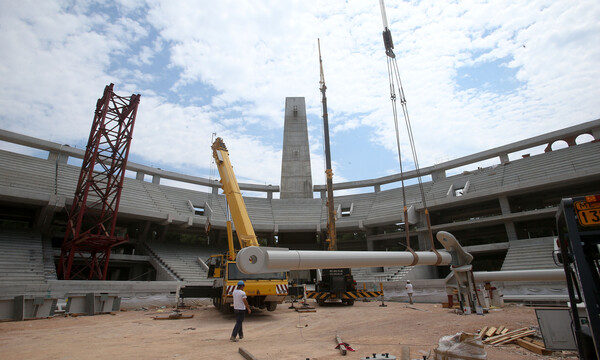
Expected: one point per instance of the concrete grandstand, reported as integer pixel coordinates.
(503, 213)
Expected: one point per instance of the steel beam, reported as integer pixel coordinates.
(254, 260)
(520, 275)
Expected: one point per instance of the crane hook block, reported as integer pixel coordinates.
(388, 43)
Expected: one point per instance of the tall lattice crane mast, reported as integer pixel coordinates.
(331, 232)
(90, 233)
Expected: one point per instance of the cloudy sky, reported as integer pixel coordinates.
(476, 74)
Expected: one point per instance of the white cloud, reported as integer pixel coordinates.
(226, 67)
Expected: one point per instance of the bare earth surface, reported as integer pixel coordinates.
(282, 334)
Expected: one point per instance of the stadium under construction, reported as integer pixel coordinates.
(503, 213)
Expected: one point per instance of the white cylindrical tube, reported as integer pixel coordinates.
(255, 260)
(520, 275)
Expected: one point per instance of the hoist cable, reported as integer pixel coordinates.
(394, 80)
(405, 207)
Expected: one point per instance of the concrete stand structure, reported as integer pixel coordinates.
(503, 214)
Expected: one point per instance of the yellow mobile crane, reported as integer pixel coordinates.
(263, 290)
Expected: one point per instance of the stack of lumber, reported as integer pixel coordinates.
(501, 335)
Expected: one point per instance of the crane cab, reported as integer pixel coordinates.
(262, 290)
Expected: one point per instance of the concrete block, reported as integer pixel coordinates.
(22, 307)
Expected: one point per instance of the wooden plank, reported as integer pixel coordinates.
(513, 337)
(490, 331)
(536, 342)
(497, 339)
(504, 331)
(505, 335)
(499, 331)
(533, 347)
(482, 332)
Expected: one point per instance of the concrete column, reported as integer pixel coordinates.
(438, 175)
(504, 205)
(423, 236)
(271, 240)
(59, 157)
(370, 244)
(145, 234)
(296, 176)
(596, 133)
(424, 241)
(511, 231)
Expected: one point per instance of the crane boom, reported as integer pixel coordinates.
(331, 232)
(237, 207)
(265, 291)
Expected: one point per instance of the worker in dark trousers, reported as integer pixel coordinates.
(240, 305)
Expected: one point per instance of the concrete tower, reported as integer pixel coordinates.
(296, 177)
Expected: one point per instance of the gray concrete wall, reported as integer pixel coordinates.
(434, 291)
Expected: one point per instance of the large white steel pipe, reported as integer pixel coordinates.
(520, 275)
(255, 260)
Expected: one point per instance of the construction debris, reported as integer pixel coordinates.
(508, 336)
(460, 346)
(415, 308)
(522, 337)
(306, 308)
(342, 345)
(384, 356)
(246, 354)
(175, 315)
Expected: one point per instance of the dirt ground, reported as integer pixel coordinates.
(282, 334)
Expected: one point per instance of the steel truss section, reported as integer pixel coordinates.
(90, 233)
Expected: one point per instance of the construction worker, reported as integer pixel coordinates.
(409, 291)
(240, 305)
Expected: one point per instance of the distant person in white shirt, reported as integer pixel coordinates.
(409, 291)
(240, 304)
